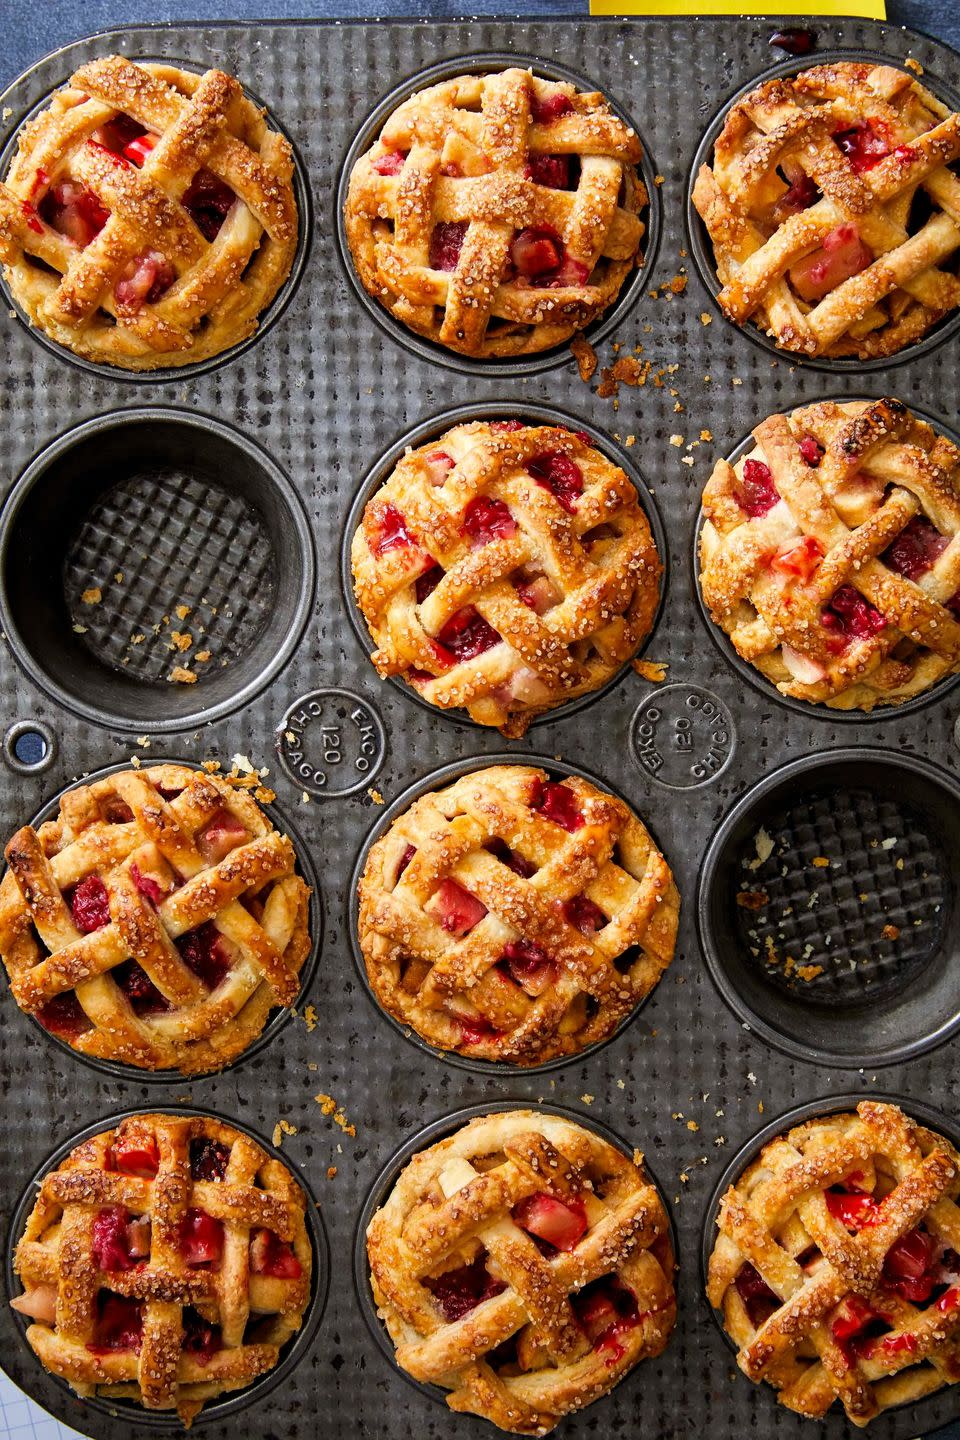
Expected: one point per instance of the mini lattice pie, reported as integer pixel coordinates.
(837, 1268)
(506, 569)
(525, 1265)
(497, 214)
(830, 553)
(514, 917)
(834, 217)
(156, 921)
(148, 216)
(164, 1262)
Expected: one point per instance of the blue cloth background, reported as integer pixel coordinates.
(30, 30)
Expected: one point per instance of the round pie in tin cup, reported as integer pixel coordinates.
(167, 1262)
(830, 202)
(830, 553)
(517, 915)
(497, 212)
(836, 1272)
(155, 920)
(505, 568)
(520, 1262)
(148, 217)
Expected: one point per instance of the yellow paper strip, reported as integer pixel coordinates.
(865, 9)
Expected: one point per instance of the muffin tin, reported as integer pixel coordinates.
(306, 412)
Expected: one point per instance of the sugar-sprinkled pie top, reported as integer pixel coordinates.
(157, 920)
(497, 214)
(514, 917)
(505, 568)
(830, 553)
(148, 216)
(833, 211)
(837, 1266)
(165, 1262)
(525, 1265)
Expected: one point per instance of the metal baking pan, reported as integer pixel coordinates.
(313, 404)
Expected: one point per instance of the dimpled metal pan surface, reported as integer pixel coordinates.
(326, 391)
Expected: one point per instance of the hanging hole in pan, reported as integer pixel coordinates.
(29, 747)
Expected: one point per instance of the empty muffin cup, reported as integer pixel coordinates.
(156, 570)
(826, 908)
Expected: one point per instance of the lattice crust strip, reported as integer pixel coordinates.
(477, 1298)
(506, 569)
(156, 921)
(834, 212)
(497, 214)
(514, 918)
(837, 1266)
(148, 217)
(830, 553)
(165, 1262)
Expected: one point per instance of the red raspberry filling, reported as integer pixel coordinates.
(800, 559)
(545, 111)
(446, 242)
(118, 1326)
(144, 281)
(474, 1032)
(269, 1255)
(74, 211)
(405, 859)
(459, 1291)
(147, 886)
(110, 1248)
(756, 492)
(511, 858)
(488, 519)
(558, 803)
(455, 908)
(811, 451)
(909, 1268)
(607, 1310)
(392, 532)
(842, 255)
(915, 549)
(560, 475)
(800, 196)
(135, 983)
(506, 426)
(134, 1155)
(201, 1238)
(204, 952)
(758, 1299)
(427, 583)
(208, 200)
(208, 1159)
(64, 1016)
(855, 1211)
(560, 1223)
(850, 617)
(33, 219)
(467, 635)
(90, 905)
(390, 162)
(852, 1319)
(200, 1339)
(554, 171)
(865, 144)
(137, 150)
(540, 256)
(529, 966)
(584, 915)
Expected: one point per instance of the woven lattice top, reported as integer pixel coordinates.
(837, 1268)
(148, 217)
(497, 214)
(834, 217)
(524, 1264)
(830, 553)
(156, 921)
(165, 1262)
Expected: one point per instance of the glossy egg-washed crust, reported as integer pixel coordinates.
(221, 286)
(455, 1197)
(481, 126)
(912, 282)
(776, 1211)
(881, 468)
(253, 896)
(55, 1250)
(438, 983)
(607, 590)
